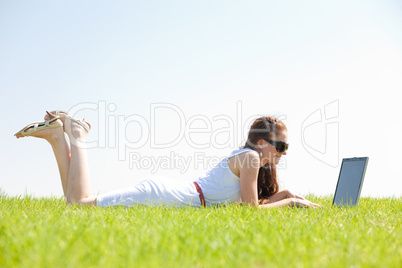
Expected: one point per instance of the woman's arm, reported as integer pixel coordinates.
(249, 166)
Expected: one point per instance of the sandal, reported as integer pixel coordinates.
(83, 123)
(36, 126)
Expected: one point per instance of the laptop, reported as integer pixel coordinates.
(350, 181)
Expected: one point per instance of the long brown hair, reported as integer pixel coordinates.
(266, 127)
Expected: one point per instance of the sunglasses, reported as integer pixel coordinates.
(280, 146)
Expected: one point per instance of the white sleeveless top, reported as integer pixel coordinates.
(220, 185)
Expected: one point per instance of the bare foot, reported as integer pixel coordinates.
(75, 130)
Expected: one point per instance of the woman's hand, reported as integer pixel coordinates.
(297, 202)
(284, 194)
(300, 201)
(289, 194)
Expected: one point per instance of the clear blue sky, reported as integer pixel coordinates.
(331, 70)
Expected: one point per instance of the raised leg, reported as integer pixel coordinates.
(55, 136)
(72, 164)
(62, 154)
(78, 175)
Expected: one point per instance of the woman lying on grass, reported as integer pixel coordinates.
(247, 176)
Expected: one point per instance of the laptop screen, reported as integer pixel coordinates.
(350, 181)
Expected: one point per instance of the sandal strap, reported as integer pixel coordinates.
(36, 126)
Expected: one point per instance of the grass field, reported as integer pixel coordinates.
(48, 233)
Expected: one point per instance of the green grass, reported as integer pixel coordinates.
(48, 233)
